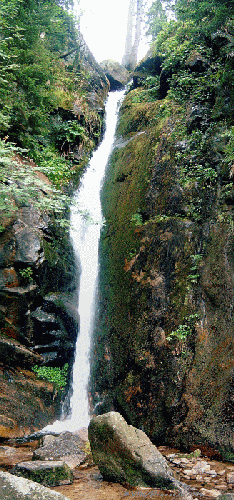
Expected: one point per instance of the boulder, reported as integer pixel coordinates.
(19, 488)
(117, 75)
(68, 447)
(49, 473)
(126, 455)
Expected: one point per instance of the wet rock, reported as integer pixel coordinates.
(125, 454)
(52, 473)
(18, 488)
(45, 319)
(28, 240)
(68, 447)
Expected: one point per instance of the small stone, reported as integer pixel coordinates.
(201, 466)
(230, 477)
(221, 472)
(189, 472)
(210, 493)
(221, 486)
(199, 478)
(212, 472)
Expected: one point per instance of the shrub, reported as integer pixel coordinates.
(56, 375)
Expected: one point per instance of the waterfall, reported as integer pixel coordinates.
(86, 221)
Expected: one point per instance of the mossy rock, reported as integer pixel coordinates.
(48, 473)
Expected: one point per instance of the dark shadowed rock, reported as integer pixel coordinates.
(51, 473)
(19, 488)
(68, 447)
(125, 454)
(13, 352)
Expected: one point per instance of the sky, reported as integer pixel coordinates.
(104, 25)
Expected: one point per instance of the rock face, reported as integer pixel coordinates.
(125, 454)
(117, 75)
(68, 447)
(163, 346)
(38, 320)
(48, 473)
(18, 488)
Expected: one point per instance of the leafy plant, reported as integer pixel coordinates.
(184, 330)
(56, 375)
(27, 274)
(137, 219)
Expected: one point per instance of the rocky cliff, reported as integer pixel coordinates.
(163, 346)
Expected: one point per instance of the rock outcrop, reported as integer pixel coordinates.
(13, 487)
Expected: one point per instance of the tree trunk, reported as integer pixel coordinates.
(135, 47)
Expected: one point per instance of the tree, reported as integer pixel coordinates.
(135, 13)
(156, 18)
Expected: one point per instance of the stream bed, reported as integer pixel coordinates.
(207, 478)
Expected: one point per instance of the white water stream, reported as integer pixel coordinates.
(86, 221)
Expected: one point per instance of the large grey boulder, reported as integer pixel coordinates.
(51, 473)
(19, 488)
(125, 454)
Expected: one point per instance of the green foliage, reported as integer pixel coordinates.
(136, 219)
(27, 274)
(20, 185)
(55, 167)
(156, 19)
(35, 81)
(58, 376)
(184, 330)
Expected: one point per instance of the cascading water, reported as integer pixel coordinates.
(86, 220)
